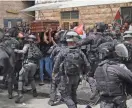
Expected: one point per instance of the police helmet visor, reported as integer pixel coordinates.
(71, 33)
(72, 36)
(121, 50)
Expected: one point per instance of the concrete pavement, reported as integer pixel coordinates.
(42, 100)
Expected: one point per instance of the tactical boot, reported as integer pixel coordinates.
(51, 102)
(19, 98)
(88, 106)
(15, 87)
(61, 100)
(10, 96)
(35, 94)
(41, 83)
(10, 91)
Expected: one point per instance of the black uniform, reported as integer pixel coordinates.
(112, 78)
(69, 76)
(54, 85)
(32, 55)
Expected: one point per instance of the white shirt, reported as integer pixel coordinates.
(130, 28)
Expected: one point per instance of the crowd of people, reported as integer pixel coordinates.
(103, 56)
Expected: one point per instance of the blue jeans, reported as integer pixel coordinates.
(46, 63)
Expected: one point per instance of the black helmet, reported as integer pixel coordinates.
(109, 48)
(7, 34)
(101, 27)
(104, 49)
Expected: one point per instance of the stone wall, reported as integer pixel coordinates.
(88, 15)
(104, 13)
(48, 14)
(13, 5)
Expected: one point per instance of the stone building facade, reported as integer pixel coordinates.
(87, 15)
(9, 12)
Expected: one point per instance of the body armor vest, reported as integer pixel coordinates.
(108, 83)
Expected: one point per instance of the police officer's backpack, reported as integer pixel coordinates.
(34, 52)
(72, 62)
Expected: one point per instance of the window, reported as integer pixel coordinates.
(126, 13)
(19, 23)
(74, 15)
(65, 15)
(9, 24)
(70, 15)
(66, 25)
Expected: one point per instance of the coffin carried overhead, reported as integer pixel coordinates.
(43, 25)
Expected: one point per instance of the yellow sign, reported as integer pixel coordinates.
(12, 11)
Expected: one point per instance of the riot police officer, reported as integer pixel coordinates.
(54, 85)
(55, 51)
(32, 55)
(70, 63)
(112, 76)
(94, 40)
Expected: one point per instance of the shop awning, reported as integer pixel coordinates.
(73, 3)
(41, 7)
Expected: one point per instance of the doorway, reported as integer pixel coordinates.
(66, 25)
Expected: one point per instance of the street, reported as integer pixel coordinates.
(42, 100)
(39, 102)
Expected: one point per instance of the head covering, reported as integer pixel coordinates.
(31, 38)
